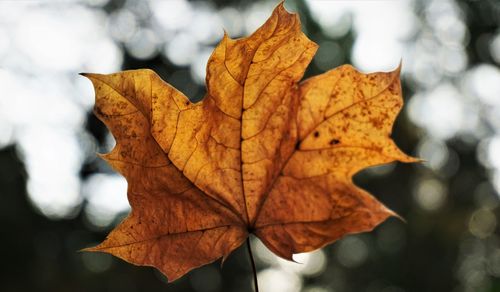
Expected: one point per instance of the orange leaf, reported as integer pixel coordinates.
(259, 154)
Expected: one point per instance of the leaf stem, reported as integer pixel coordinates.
(256, 284)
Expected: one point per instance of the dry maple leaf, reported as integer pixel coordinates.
(259, 154)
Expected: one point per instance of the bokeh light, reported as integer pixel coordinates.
(42, 106)
(273, 279)
(352, 252)
(106, 198)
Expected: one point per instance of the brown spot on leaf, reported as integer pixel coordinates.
(334, 142)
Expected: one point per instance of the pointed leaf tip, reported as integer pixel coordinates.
(88, 75)
(281, 8)
(400, 66)
(88, 249)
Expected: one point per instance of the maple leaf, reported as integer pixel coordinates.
(259, 154)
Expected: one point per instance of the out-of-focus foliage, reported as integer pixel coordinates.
(57, 197)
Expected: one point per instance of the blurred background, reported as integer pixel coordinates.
(58, 197)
